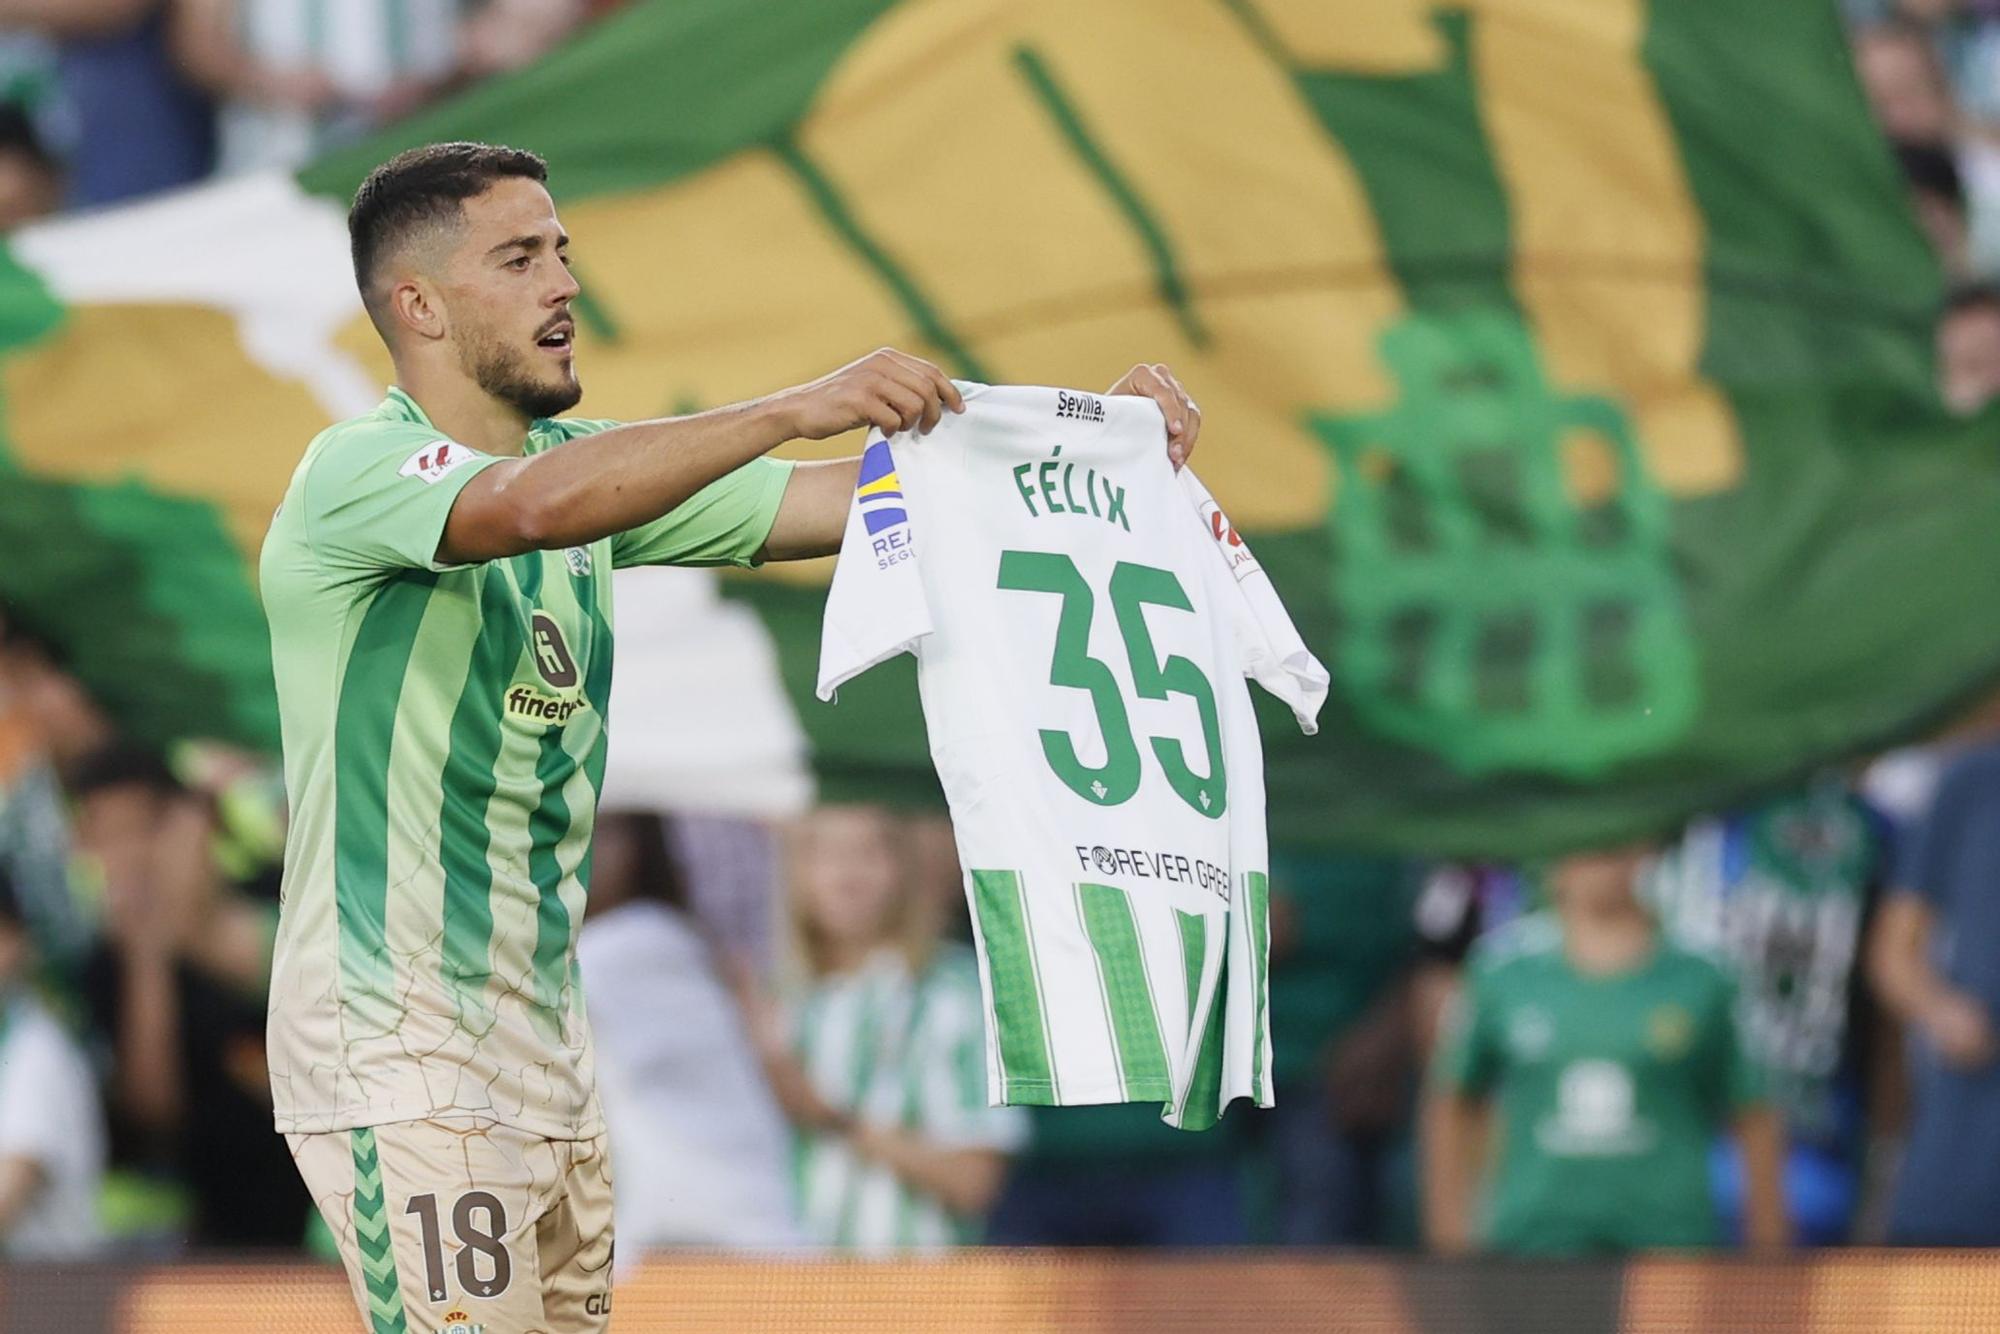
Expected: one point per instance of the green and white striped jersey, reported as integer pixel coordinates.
(1083, 621)
(903, 1051)
(444, 738)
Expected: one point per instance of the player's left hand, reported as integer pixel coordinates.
(1183, 417)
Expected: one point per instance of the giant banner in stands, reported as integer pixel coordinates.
(1566, 361)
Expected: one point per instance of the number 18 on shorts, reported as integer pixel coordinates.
(466, 1226)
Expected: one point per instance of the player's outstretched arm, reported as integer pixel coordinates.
(632, 474)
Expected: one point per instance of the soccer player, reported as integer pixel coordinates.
(438, 583)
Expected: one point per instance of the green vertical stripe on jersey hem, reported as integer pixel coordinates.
(1027, 1067)
(464, 837)
(1257, 897)
(374, 1247)
(1128, 992)
(1198, 1101)
(545, 829)
(371, 691)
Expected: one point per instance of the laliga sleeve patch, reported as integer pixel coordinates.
(434, 462)
(1241, 563)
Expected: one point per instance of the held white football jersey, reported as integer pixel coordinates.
(1083, 621)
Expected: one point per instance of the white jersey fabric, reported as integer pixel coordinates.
(1083, 621)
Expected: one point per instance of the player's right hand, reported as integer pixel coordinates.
(890, 390)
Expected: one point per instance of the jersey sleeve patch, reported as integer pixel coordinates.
(434, 462)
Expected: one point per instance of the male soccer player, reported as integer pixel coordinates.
(438, 582)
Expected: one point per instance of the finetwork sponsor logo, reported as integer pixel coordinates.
(433, 463)
(534, 706)
(1079, 407)
(1173, 867)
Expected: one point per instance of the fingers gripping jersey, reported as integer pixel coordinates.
(1083, 621)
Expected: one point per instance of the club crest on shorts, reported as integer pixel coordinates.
(458, 1322)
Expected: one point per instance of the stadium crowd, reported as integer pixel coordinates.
(1788, 1010)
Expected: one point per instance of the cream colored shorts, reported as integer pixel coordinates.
(466, 1227)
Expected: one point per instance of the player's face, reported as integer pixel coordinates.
(508, 288)
(1599, 879)
(848, 874)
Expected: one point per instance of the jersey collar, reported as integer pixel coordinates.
(400, 404)
(404, 408)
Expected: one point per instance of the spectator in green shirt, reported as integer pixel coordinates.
(1611, 1059)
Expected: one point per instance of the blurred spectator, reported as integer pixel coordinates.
(884, 1073)
(296, 77)
(1933, 961)
(30, 180)
(177, 988)
(1612, 1059)
(1968, 348)
(136, 126)
(44, 716)
(730, 867)
(1905, 82)
(699, 1148)
(1459, 903)
(1937, 196)
(51, 1130)
(1342, 940)
(1780, 892)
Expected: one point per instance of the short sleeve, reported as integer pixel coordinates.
(378, 494)
(876, 607)
(724, 523)
(955, 1112)
(1273, 653)
(1468, 1058)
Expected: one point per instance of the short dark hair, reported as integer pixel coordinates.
(1933, 170)
(123, 764)
(22, 636)
(1968, 297)
(13, 913)
(424, 187)
(19, 135)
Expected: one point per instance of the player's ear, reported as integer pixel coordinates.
(414, 307)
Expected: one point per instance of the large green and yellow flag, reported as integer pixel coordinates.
(1566, 361)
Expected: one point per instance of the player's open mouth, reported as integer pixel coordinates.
(557, 339)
